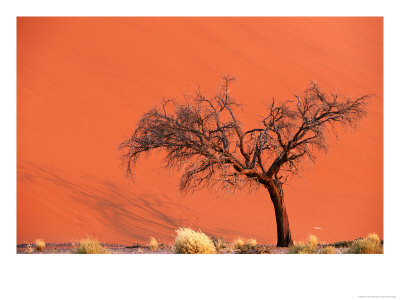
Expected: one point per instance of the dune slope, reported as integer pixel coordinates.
(83, 83)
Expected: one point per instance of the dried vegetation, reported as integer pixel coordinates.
(189, 241)
(368, 245)
(90, 246)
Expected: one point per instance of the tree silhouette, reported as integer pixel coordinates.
(205, 139)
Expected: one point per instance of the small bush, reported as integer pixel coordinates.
(257, 249)
(238, 243)
(260, 249)
(368, 245)
(90, 246)
(297, 248)
(189, 241)
(219, 243)
(328, 250)
(29, 249)
(243, 250)
(40, 245)
(308, 248)
(251, 243)
(312, 242)
(153, 244)
(249, 246)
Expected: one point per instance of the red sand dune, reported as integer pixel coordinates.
(83, 83)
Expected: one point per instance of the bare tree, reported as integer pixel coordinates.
(205, 139)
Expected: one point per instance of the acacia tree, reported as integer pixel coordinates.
(206, 140)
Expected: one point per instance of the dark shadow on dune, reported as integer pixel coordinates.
(135, 215)
(130, 214)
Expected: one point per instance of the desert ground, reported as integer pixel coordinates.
(82, 85)
(66, 248)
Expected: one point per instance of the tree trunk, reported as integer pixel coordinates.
(282, 220)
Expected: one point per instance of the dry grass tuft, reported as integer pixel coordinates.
(40, 245)
(189, 241)
(328, 250)
(219, 243)
(90, 246)
(374, 237)
(257, 249)
(308, 248)
(260, 249)
(251, 243)
(312, 242)
(238, 243)
(297, 248)
(153, 244)
(29, 249)
(249, 246)
(368, 245)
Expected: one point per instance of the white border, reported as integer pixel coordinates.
(198, 277)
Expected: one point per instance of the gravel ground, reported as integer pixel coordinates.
(65, 248)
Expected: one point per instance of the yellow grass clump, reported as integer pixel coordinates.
(368, 245)
(238, 243)
(29, 249)
(153, 244)
(189, 241)
(40, 245)
(244, 246)
(90, 246)
(308, 248)
(251, 243)
(328, 250)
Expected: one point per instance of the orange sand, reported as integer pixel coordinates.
(83, 83)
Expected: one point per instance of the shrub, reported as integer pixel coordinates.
(246, 247)
(189, 241)
(257, 249)
(29, 249)
(312, 242)
(328, 250)
(90, 246)
(219, 243)
(368, 245)
(243, 250)
(238, 243)
(249, 246)
(260, 249)
(308, 248)
(40, 245)
(251, 243)
(153, 244)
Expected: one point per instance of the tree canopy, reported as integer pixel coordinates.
(204, 137)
